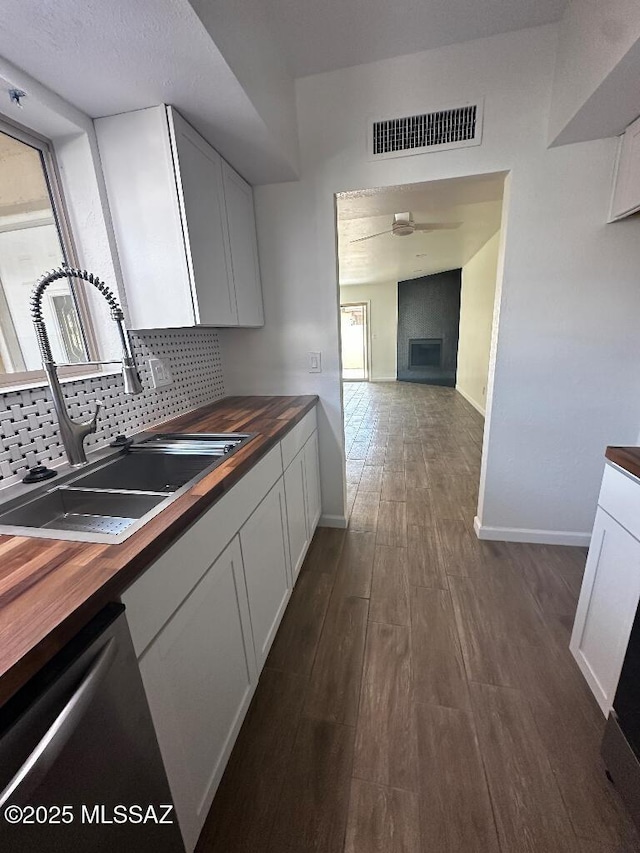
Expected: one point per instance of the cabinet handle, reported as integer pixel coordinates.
(50, 746)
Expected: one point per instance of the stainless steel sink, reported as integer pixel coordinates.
(148, 472)
(69, 509)
(162, 462)
(112, 498)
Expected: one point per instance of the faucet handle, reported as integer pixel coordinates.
(92, 423)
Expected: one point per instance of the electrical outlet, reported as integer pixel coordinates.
(160, 375)
(315, 362)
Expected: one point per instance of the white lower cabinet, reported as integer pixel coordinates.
(265, 554)
(312, 482)
(302, 486)
(199, 674)
(203, 616)
(607, 606)
(297, 523)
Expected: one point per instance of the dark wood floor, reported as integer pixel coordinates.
(420, 696)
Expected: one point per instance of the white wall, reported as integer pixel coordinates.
(477, 300)
(383, 325)
(595, 90)
(566, 378)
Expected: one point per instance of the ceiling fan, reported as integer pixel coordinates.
(403, 225)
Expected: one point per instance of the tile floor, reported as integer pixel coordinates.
(420, 696)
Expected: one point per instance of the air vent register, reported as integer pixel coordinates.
(458, 127)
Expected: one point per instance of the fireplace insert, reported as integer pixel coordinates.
(425, 352)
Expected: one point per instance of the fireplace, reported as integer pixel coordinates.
(428, 323)
(425, 352)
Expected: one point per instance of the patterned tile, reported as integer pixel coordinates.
(28, 424)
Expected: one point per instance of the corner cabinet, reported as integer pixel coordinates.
(184, 224)
(610, 588)
(203, 617)
(626, 187)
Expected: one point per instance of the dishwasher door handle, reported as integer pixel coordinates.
(50, 746)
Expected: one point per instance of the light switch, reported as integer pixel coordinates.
(315, 362)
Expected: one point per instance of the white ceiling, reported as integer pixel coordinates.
(112, 56)
(324, 36)
(475, 202)
(229, 69)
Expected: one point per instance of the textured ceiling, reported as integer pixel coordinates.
(475, 202)
(331, 34)
(112, 56)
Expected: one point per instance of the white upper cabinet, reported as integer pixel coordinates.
(626, 190)
(201, 195)
(244, 248)
(184, 224)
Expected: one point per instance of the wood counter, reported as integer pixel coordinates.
(627, 458)
(50, 588)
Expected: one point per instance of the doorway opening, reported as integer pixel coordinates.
(354, 329)
(420, 264)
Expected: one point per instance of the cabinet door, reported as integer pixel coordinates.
(245, 268)
(199, 675)
(297, 524)
(607, 606)
(199, 180)
(137, 163)
(265, 554)
(312, 482)
(626, 195)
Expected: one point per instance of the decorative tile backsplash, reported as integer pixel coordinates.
(28, 424)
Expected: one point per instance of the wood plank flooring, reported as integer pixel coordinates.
(420, 696)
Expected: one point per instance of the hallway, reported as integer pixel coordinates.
(420, 696)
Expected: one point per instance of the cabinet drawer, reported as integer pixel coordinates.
(295, 440)
(620, 497)
(156, 594)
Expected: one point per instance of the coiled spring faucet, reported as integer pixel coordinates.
(73, 433)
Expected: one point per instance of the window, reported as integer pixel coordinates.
(34, 238)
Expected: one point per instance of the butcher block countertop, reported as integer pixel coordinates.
(49, 588)
(627, 458)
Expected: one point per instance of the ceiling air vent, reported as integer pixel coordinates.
(452, 128)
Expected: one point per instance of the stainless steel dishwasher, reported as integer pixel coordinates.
(80, 767)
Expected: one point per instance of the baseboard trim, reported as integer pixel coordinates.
(470, 400)
(383, 379)
(338, 521)
(538, 537)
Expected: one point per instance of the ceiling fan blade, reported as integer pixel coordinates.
(371, 236)
(436, 226)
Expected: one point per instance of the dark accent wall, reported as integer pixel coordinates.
(429, 307)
